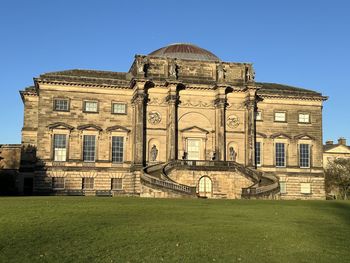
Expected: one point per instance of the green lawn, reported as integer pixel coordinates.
(84, 229)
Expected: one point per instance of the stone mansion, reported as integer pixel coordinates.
(179, 123)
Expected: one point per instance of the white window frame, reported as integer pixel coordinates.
(301, 118)
(278, 118)
(55, 100)
(285, 154)
(86, 109)
(119, 104)
(95, 148)
(258, 115)
(309, 156)
(57, 152)
(120, 184)
(123, 153)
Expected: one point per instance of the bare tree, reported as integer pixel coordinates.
(338, 177)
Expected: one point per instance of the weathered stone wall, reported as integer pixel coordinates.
(10, 156)
(225, 184)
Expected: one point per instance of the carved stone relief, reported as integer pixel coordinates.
(233, 121)
(154, 117)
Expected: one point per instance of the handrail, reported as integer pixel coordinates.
(149, 179)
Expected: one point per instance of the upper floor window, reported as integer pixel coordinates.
(117, 149)
(304, 118)
(61, 105)
(258, 153)
(90, 106)
(304, 155)
(89, 148)
(280, 155)
(280, 116)
(60, 147)
(258, 115)
(119, 108)
(57, 182)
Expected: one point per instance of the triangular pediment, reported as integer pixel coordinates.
(304, 136)
(280, 136)
(260, 134)
(194, 129)
(338, 149)
(60, 126)
(117, 128)
(89, 127)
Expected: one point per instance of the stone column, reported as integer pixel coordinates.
(139, 129)
(220, 124)
(172, 139)
(250, 106)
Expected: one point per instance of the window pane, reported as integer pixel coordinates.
(258, 116)
(258, 153)
(88, 183)
(119, 108)
(89, 148)
(280, 116)
(304, 118)
(58, 182)
(61, 105)
(91, 106)
(304, 155)
(117, 183)
(60, 147)
(280, 155)
(117, 149)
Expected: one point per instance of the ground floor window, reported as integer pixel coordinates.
(280, 155)
(117, 149)
(304, 155)
(89, 148)
(60, 147)
(57, 182)
(88, 183)
(205, 186)
(283, 187)
(117, 183)
(305, 188)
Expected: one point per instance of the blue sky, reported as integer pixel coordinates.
(300, 43)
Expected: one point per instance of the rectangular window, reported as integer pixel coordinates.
(280, 116)
(57, 182)
(304, 155)
(89, 148)
(283, 187)
(258, 153)
(119, 108)
(60, 147)
(61, 105)
(88, 183)
(305, 188)
(304, 118)
(117, 184)
(280, 155)
(117, 149)
(90, 106)
(258, 115)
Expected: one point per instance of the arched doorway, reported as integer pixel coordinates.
(205, 187)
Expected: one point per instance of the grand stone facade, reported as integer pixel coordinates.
(180, 122)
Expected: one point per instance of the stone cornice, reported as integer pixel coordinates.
(80, 84)
(294, 97)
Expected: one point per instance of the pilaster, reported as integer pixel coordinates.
(172, 100)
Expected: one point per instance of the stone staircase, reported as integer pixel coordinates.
(156, 177)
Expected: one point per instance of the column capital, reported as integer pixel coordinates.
(220, 102)
(139, 97)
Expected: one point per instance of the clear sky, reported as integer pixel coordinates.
(300, 43)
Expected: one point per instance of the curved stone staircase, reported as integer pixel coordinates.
(156, 176)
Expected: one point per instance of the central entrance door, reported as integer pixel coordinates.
(193, 149)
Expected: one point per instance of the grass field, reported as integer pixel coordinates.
(74, 229)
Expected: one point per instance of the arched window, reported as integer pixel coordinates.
(205, 186)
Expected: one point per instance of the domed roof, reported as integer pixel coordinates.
(184, 51)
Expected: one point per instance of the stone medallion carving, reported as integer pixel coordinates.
(232, 121)
(154, 117)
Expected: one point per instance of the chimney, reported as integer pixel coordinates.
(329, 142)
(342, 141)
